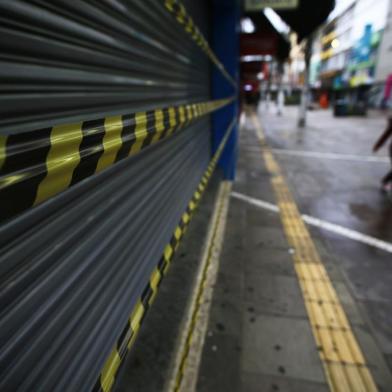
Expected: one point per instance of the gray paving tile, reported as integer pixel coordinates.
(220, 365)
(281, 346)
(381, 323)
(226, 316)
(270, 261)
(265, 383)
(276, 294)
(388, 358)
(257, 217)
(375, 360)
(266, 237)
(350, 307)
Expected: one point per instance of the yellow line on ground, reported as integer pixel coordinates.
(340, 353)
(3, 142)
(186, 366)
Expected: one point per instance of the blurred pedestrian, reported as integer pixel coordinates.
(386, 183)
(280, 102)
(324, 101)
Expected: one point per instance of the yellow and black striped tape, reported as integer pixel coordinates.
(127, 337)
(37, 165)
(178, 10)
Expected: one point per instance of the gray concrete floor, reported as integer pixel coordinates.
(259, 336)
(149, 364)
(346, 193)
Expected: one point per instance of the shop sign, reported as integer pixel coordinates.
(256, 5)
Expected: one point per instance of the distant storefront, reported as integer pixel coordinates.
(363, 57)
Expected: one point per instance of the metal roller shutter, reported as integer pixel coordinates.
(66, 61)
(104, 138)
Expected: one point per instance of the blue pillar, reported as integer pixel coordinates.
(225, 44)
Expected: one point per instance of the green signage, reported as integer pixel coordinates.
(256, 5)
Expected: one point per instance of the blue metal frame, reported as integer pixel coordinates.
(225, 44)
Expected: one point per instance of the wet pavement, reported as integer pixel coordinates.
(259, 337)
(346, 193)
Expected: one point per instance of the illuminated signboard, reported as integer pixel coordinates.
(256, 5)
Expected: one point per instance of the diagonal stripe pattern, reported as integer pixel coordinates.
(127, 337)
(37, 165)
(177, 9)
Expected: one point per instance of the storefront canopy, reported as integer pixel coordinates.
(265, 40)
(304, 18)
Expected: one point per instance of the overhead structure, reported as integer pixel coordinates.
(265, 40)
(266, 25)
(303, 16)
(307, 16)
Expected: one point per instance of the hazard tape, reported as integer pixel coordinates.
(178, 10)
(37, 165)
(128, 335)
(195, 326)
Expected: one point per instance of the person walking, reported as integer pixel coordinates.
(386, 183)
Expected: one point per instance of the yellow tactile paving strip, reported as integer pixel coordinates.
(342, 358)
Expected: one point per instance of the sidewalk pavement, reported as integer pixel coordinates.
(344, 192)
(259, 335)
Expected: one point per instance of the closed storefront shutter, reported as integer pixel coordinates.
(104, 139)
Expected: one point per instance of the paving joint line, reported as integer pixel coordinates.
(336, 347)
(187, 361)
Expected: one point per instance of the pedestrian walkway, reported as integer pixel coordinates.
(247, 311)
(260, 331)
(344, 193)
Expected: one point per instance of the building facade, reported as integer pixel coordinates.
(352, 52)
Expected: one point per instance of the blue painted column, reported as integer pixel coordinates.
(225, 44)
